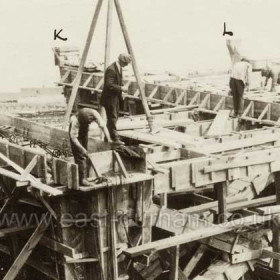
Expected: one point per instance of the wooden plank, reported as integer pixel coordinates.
(147, 188)
(150, 138)
(267, 273)
(152, 94)
(168, 94)
(179, 99)
(65, 173)
(98, 204)
(27, 249)
(113, 233)
(120, 163)
(34, 263)
(269, 254)
(194, 260)
(219, 123)
(93, 165)
(276, 225)
(29, 167)
(239, 144)
(236, 164)
(155, 167)
(248, 255)
(214, 98)
(82, 63)
(88, 80)
(201, 198)
(195, 235)
(121, 196)
(134, 64)
(134, 177)
(268, 210)
(34, 183)
(223, 271)
(220, 189)
(174, 262)
(125, 124)
(181, 275)
(14, 230)
(60, 247)
(45, 202)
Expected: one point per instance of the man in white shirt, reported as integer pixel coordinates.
(272, 72)
(239, 79)
(78, 132)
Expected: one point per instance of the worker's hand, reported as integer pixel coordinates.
(84, 152)
(125, 88)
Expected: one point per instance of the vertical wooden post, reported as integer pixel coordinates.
(276, 224)
(146, 215)
(194, 260)
(163, 200)
(134, 65)
(98, 205)
(174, 264)
(108, 34)
(113, 233)
(82, 63)
(220, 189)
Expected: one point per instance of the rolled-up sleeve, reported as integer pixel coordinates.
(99, 119)
(75, 126)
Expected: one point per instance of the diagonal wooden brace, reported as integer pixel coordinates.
(28, 248)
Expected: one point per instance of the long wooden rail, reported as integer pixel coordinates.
(254, 111)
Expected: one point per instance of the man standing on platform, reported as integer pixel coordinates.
(240, 78)
(78, 131)
(112, 94)
(272, 72)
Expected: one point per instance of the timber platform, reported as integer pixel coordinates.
(198, 199)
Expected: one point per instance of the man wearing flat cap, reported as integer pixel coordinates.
(112, 94)
(239, 80)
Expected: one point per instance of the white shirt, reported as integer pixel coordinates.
(241, 71)
(75, 125)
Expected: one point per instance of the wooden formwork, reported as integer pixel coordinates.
(104, 231)
(176, 98)
(82, 231)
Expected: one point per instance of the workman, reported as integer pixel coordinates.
(239, 79)
(78, 132)
(273, 73)
(112, 94)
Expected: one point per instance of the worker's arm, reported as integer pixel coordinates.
(74, 133)
(274, 77)
(110, 79)
(249, 74)
(266, 80)
(102, 125)
(79, 146)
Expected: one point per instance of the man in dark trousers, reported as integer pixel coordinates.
(78, 132)
(112, 94)
(272, 72)
(239, 79)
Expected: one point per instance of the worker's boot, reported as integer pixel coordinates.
(85, 183)
(118, 142)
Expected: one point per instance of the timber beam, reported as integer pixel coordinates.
(260, 112)
(196, 234)
(27, 249)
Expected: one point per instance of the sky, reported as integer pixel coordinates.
(167, 35)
